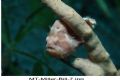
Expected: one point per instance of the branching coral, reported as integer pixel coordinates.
(99, 62)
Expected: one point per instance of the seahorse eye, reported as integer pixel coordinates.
(58, 27)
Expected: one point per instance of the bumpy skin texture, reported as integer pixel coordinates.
(61, 40)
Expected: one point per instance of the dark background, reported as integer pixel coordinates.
(26, 23)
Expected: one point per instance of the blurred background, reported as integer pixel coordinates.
(26, 23)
